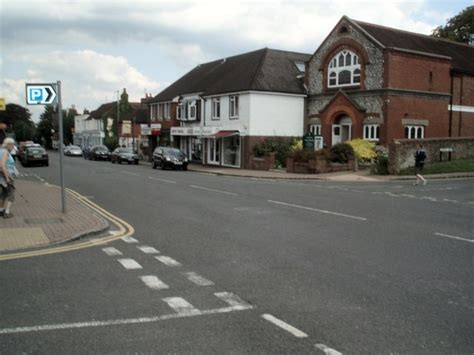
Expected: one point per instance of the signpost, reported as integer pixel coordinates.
(2, 104)
(50, 94)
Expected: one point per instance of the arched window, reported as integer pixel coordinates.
(344, 69)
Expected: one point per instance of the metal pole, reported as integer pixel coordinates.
(60, 119)
(133, 133)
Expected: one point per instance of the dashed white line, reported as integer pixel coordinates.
(318, 210)
(283, 325)
(168, 261)
(198, 279)
(154, 282)
(180, 305)
(148, 250)
(130, 264)
(231, 299)
(111, 251)
(129, 173)
(327, 350)
(213, 190)
(162, 180)
(455, 237)
(129, 240)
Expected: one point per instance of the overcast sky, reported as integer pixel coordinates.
(98, 47)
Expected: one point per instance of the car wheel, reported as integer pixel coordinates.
(163, 167)
(46, 164)
(112, 161)
(185, 168)
(136, 162)
(129, 162)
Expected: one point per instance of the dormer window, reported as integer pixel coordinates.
(344, 69)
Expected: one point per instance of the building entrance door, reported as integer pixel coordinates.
(342, 130)
(214, 150)
(336, 134)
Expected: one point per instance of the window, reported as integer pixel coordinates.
(414, 132)
(216, 108)
(372, 132)
(234, 107)
(154, 111)
(167, 109)
(301, 66)
(192, 109)
(344, 69)
(315, 129)
(180, 112)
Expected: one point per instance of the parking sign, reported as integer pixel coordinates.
(40, 94)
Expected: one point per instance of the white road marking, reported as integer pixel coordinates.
(129, 173)
(154, 282)
(168, 261)
(111, 251)
(162, 180)
(455, 237)
(283, 325)
(180, 305)
(318, 210)
(327, 350)
(433, 199)
(198, 279)
(141, 320)
(231, 299)
(448, 200)
(214, 190)
(130, 264)
(129, 240)
(148, 250)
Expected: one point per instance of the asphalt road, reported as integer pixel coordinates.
(251, 266)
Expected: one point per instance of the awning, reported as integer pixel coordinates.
(223, 134)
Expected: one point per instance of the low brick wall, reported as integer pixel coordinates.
(318, 166)
(401, 152)
(266, 162)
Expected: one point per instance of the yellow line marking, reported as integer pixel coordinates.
(125, 230)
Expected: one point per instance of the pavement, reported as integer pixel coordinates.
(361, 175)
(38, 221)
(226, 264)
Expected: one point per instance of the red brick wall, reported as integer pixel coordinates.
(463, 94)
(415, 72)
(412, 107)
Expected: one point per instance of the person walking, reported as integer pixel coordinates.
(420, 156)
(7, 173)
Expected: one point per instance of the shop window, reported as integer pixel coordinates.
(216, 108)
(344, 69)
(234, 107)
(372, 132)
(231, 151)
(414, 132)
(192, 110)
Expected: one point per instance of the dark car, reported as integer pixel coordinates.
(35, 156)
(22, 149)
(125, 155)
(169, 158)
(99, 152)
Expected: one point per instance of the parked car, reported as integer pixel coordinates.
(73, 151)
(99, 152)
(22, 149)
(125, 155)
(35, 155)
(166, 157)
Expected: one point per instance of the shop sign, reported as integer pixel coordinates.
(145, 130)
(181, 131)
(205, 131)
(308, 141)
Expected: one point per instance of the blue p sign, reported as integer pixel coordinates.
(35, 95)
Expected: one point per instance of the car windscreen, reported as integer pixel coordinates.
(36, 151)
(74, 147)
(175, 153)
(126, 151)
(101, 149)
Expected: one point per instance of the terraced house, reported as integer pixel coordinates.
(378, 83)
(222, 108)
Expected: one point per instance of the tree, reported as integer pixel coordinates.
(458, 28)
(68, 125)
(19, 120)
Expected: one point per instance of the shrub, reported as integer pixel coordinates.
(380, 165)
(280, 146)
(303, 155)
(341, 153)
(364, 150)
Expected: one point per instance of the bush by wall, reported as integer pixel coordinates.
(341, 153)
(364, 150)
(280, 146)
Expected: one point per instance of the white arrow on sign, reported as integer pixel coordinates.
(40, 94)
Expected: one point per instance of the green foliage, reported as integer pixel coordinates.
(380, 163)
(20, 123)
(280, 146)
(444, 167)
(47, 122)
(364, 150)
(68, 126)
(457, 28)
(341, 153)
(111, 142)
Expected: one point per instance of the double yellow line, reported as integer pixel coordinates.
(124, 230)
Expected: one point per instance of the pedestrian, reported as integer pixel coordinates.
(7, 173)
(420, 156)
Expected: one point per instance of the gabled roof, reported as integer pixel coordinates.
(139, 111)
(342, 93)
(261, 70)
(462, 55)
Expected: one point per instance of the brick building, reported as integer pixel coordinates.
(378, 83)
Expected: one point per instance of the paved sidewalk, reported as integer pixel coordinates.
(38, 220)
(362, 175)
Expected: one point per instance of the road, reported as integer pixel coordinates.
(236, 265)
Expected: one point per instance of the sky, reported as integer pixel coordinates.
(98, 47)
